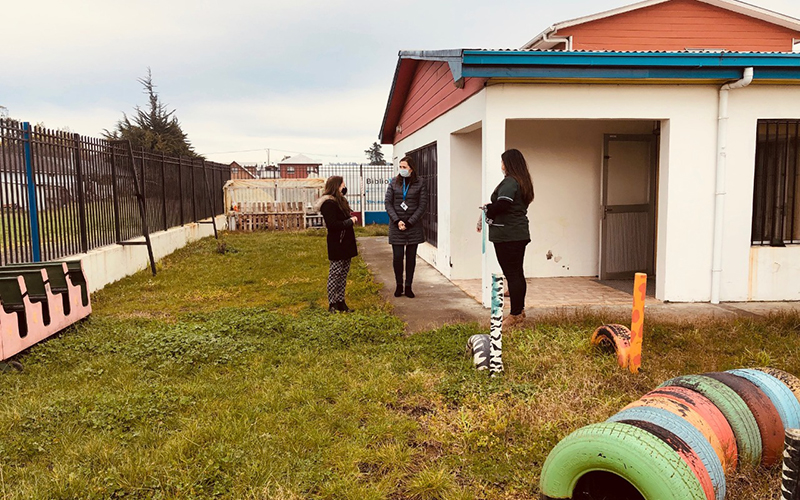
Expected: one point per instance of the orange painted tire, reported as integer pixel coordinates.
(769, 420)
(738, 415)
(689, 414)
(713, 416)
(616, 336)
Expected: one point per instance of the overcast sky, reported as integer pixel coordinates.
(308, 76)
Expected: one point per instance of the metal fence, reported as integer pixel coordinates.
(366, 185)
(63, 193)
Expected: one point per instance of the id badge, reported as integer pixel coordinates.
(404, 206)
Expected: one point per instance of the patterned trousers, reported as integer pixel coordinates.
(337, 280)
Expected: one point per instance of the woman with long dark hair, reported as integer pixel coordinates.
(507, 218)
(406, 201)
(341, 240)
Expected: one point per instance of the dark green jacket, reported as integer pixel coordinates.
(510, 224)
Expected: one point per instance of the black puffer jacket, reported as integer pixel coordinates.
(417, 202)
(341, 237)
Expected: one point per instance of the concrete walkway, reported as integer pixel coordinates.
(439, 301)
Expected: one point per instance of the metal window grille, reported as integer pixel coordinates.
(427, 168)
(776, 210)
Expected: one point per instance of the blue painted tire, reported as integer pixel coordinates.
(781, 396)
(684, 430)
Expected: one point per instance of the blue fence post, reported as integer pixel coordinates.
(32, 205)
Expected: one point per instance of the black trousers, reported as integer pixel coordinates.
(510, 256)
(397, 262)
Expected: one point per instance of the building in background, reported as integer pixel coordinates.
(299, 167)
(243, 172)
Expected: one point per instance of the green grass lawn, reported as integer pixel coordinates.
(225, 377)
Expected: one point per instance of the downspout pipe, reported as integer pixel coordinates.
(566, 40)
(719, 197)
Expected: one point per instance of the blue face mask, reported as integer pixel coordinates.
(405, 173)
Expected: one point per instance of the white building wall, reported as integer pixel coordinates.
(686, 185)
(757, 273)
(565, 159)
(464, 116)
(686, 181)
(466, 192)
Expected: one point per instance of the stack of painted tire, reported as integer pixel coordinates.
(680, 440)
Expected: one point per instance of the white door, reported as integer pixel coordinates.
(629, 187)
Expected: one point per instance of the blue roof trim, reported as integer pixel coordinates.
(609, 73)
(628, 65)
(716, 59)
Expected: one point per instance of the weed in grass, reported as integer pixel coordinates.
(431, 484)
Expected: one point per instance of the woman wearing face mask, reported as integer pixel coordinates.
(406, 201)
(507, 218)
(341, 240)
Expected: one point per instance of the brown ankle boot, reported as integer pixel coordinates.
(514, 321)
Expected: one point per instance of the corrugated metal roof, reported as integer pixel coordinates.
(299, 160)
(699, 51)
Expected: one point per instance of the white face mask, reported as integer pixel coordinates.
(405, 172)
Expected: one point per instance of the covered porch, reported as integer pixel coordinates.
(593, 216)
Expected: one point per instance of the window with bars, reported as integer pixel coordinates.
(776, 209)
(425, 158)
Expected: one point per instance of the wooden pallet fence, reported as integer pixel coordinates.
(260, 215)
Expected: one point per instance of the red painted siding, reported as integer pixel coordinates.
(240, 172)
(289, 171)
(680, 25)
(432, 93)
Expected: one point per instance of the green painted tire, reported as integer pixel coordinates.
(735, 410)
(646, 462)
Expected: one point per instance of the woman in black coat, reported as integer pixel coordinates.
(507, 219)
(406, 202)
(341, 240)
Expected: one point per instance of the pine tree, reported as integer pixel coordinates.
(154, 129)
(374, 154)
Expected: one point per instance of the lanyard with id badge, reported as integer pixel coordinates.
(405, 193)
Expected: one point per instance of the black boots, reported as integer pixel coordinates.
(400, 290)
(335, 307)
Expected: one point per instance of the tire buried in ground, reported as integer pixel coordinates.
(711, 414)
(769, 421)
(735, 410)
(780, 395)
(792, 382)
(685, 431)
(617, 337)
(645, 462)
(690, 415)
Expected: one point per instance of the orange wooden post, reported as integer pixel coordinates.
(637, 321)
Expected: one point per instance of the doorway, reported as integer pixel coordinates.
(630, 168)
